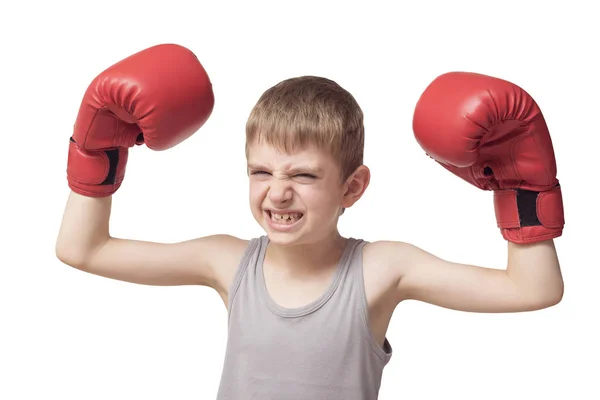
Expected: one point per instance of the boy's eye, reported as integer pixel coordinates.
(309, 176)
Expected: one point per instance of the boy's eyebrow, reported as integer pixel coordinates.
(295, 170)
(255, 166)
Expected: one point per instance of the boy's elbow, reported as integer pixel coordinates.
(550, 297)
(69, 257)
(557, 296)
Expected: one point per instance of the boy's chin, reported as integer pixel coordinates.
(283, 238)
(282, 241)
(286, 238)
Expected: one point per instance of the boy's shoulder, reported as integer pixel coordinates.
(386, 260)
(382, 271)
(227, 247)
(226, 252)
(385, 252)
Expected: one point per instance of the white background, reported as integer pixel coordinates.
(66, 334)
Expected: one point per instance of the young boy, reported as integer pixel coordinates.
(309, 308)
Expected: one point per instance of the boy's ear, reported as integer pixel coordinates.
(355, 186)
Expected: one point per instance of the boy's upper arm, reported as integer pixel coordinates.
(208, 261)
(419, 275)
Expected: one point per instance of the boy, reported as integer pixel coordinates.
(308, 308)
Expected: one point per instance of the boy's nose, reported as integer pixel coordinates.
(280, 191)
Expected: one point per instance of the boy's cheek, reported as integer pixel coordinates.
(256, 190)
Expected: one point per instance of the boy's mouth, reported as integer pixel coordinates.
(284, 218)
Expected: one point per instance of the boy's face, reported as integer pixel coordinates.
(298, 198)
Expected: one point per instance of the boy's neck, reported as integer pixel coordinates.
(307, 257)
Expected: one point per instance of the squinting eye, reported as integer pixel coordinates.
(258, 172)
(306, 176)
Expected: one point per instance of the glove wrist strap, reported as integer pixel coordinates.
(520, 209)
(98, 173)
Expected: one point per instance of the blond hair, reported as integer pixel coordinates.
(310, 110)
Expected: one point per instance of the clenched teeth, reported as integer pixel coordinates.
(285, 217)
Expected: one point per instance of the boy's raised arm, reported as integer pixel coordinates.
(490, 133)
(158, 97)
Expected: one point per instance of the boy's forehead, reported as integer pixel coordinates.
(265, 152)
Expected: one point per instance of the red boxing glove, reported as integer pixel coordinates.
(492, 134)
(159, 96)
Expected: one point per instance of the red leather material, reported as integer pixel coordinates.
(492, 134)
(89, 169)
(550, 208)
(159, 96)
(505, 206)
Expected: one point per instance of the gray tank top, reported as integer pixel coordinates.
(321, 351)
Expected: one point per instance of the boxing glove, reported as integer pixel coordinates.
(159, 97)
(492, 134)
